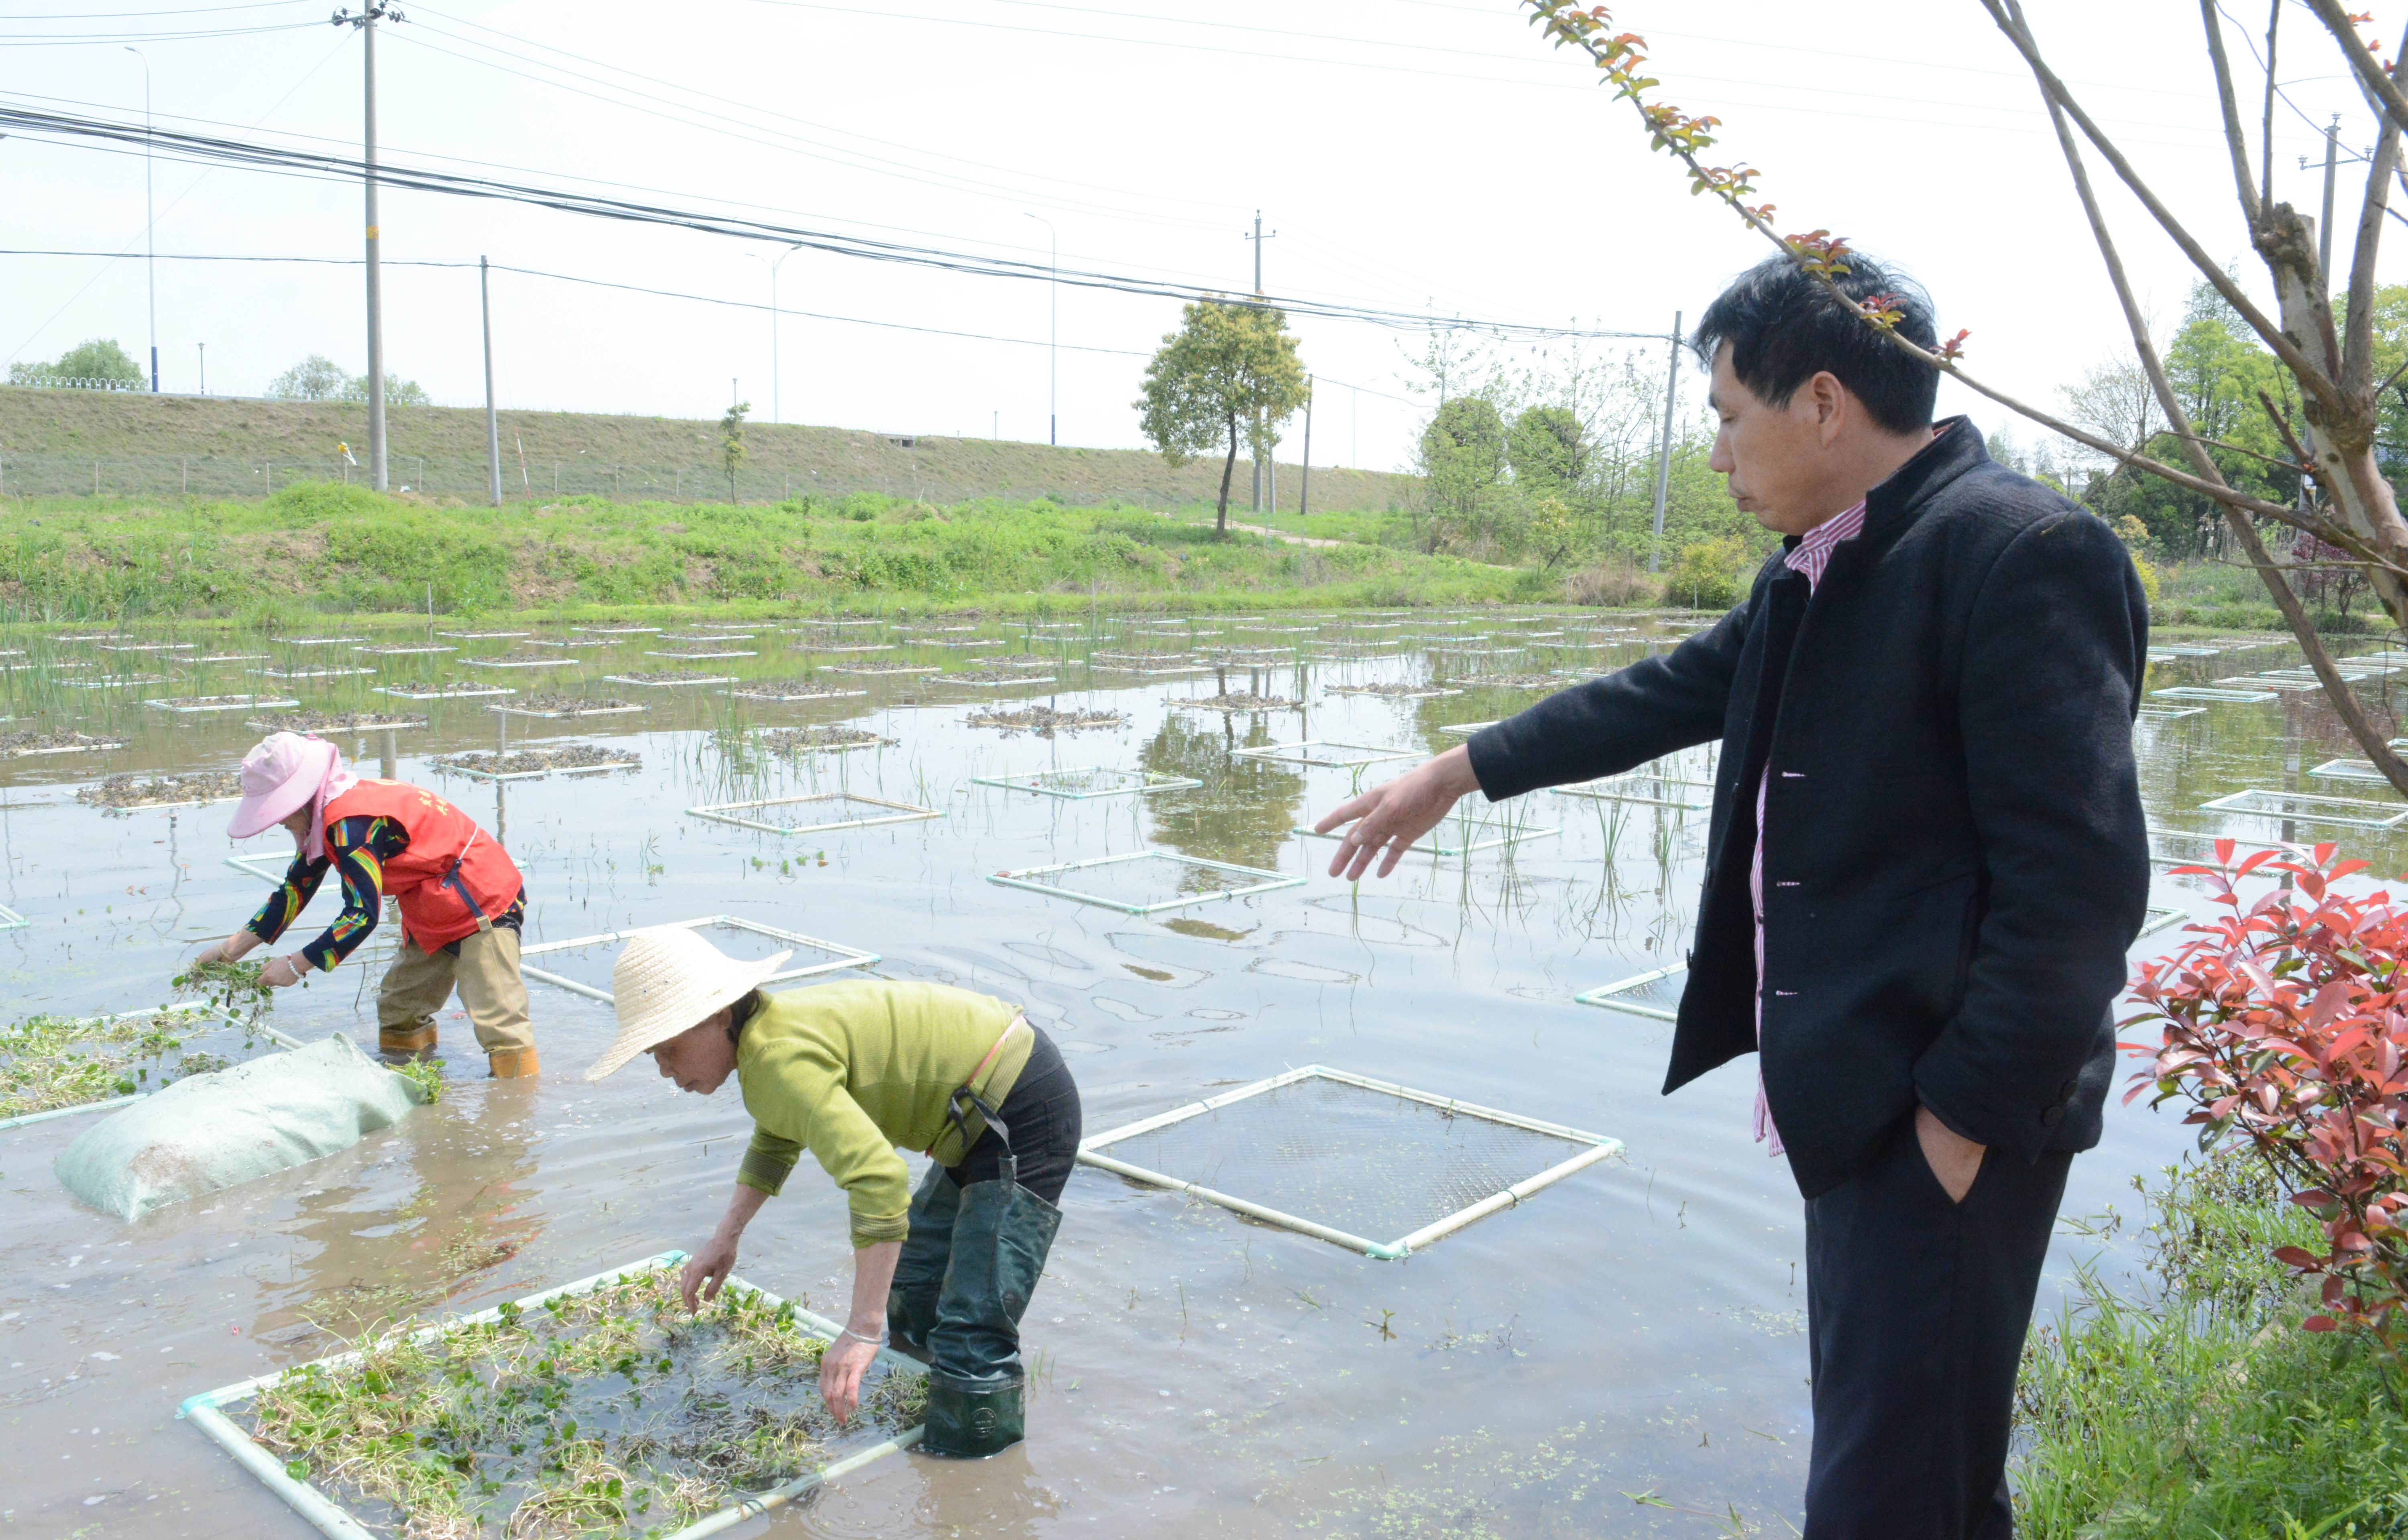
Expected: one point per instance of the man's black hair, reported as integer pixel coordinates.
(1784, 326)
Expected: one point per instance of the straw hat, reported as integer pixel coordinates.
(668, 980)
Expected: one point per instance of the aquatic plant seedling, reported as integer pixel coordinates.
(533, 764)
(330, 672)
(1134, 884)
(2302, 808)
(850, 647)
(992, 679)
(420, 649)
(424, 1074)
(1363, 1154)
(125, 792)
(666, 679)
(237, 990)
(873, 670)
(736, 936)
(206, 705)
(1636, 995)
(702, 654)
(61, 1067)
(1231, 702)
(789, 692)
(1044, 721)
(1326, 753)
(822, 812)
(482, 636)
(28, 742)
(1090, 782)
(519, 660)
(445, 692)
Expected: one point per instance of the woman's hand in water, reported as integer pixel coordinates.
(707, 1270)
(841, 1367)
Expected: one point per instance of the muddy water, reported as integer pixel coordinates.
(1637, 1328)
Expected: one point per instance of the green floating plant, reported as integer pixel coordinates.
(237, 989)
(609, 1412)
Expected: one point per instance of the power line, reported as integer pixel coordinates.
(37, 39)
(62, 127)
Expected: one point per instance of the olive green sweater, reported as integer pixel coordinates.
(851, 1070)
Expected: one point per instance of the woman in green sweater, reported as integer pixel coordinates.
(849, 1072)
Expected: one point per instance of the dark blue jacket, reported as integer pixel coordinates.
(1956, 861)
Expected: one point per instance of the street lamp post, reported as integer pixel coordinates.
(777, 409)
(150, 219)
(1052, 336)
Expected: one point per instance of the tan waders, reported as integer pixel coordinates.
(484, 967)
(968, 1268)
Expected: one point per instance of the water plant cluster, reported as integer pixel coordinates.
(48, 1063)
(607, 1412)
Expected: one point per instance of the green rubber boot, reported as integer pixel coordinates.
(920, 1271)
(969, 1421)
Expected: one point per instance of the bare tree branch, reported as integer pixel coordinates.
(2235, 142)
(2378, 85)
(2311, 377)
(2344, 701)
(2357, 347)
(2265, 128)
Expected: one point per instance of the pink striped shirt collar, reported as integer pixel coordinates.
(1814, 547)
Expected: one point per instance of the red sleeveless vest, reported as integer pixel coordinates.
(435, 912)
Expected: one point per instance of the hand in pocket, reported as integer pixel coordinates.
(1955, 1160)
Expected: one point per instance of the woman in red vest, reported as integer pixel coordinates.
(461, 896)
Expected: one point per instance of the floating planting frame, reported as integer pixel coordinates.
(617, 630)
(959, 683)
(898, 813)
(2305, 808)
(1646, 787)
(2158, 917)
(1326, 752)
(182, 1008)
(451, 766)
(627, 710)
(413, 650)
(1462, 730)
(846, 957)
(1026, 878)
(1145, 782)
(2350, 769)
(11, 920)
(771, 692)
(447, 692)
(2168, 713)
(670, 684)
(2209, 692)
(335, 672)
(203, 705)
(1608, 996)
(1419, 692)
(206, 1412)
(706, 655)
(1598, 1148)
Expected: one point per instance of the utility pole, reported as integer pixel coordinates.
(1259, 237)
(493, 421)
(204, 368)
(365, 20)
(1052, 335)
(777, 403)
(1304, 494)
(1663, 449)
(150, 218)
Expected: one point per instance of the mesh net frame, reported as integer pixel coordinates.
(1213, 879)
(206, 1412)
(1142, 783)
(896, 812)
(1655, 994)
(2306, 808)
(2209, 692)
(1310, 1130)
(839, 956)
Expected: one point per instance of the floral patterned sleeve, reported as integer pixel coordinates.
(358, 848)
(285, 904)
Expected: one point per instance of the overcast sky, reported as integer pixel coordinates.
(1411, 155)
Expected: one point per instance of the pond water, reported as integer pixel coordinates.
(1633, 1328)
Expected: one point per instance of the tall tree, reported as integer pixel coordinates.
(731, 442)
(1230, 371)
(99, 359)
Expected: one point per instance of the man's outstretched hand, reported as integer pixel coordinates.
(1389, 817)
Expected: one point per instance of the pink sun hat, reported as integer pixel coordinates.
(283, 774)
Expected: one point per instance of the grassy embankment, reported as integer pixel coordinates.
(323, 548)
(143, 444)
(2204, 1412)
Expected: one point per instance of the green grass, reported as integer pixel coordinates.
(322, 548)
(2204, 1412)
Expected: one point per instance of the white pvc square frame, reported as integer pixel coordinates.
(448, 767)
(185, 1008)
(1328, 754)
(847, 957)
(1464, 841)
(732, 813)
(1600, 1149)
(2207, 692)
(779, 693)
(2304, 808)
(1647, 788)
(1135, 783)
(454, 692)
(679, 682)
(1609, 997)
(202, 705)
(1025, 878)
(11, 920)
(206, 1412)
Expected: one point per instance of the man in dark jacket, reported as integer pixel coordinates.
(1925, 863)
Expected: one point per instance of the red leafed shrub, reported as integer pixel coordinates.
(2285, 1023)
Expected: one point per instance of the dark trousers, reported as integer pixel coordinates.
(1916, 1311)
